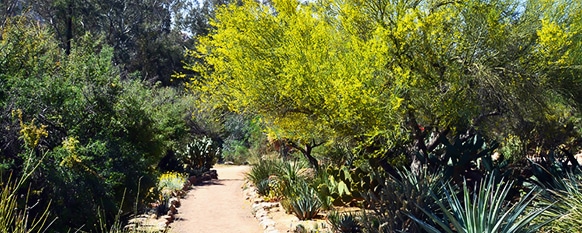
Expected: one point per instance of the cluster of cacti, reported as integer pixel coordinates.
(198, 156)
(344, 185)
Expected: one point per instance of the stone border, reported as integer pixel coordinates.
(260, 208)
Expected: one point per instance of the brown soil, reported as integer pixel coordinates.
(217, 206)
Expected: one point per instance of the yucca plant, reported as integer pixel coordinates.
(483, 210)
(290, 174)
(343, 222)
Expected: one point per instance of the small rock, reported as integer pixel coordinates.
(175, 202)
(270, 205)
(260, 213)
(271, 230)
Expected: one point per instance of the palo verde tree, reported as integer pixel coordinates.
(398, 72)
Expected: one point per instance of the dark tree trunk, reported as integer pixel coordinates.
(69, 28)
(306, 151)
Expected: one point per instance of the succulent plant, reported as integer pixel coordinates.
(343, 222)
(304, 203)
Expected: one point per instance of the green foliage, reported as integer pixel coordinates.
(303, 201)
(235, 151)
(103, 135)
(564, 201)
(262, 175)
(410, 193)
(392, 72)
(485, 209)
(199, 155)
(343, 222)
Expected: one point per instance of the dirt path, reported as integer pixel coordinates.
(217, 207)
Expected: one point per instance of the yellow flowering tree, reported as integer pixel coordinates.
(395, 70)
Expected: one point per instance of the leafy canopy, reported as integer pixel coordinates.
(361, 68)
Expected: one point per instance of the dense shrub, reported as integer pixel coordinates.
(104, 136)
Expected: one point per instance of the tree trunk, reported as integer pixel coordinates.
(69, 28)
(306, 151)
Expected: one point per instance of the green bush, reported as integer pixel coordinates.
(104, 136)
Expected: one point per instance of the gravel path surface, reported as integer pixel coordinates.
(218, 206)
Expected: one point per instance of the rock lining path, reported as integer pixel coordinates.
(217, 207)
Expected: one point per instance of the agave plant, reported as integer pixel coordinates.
(396, 196)
(484, 210)
(304, 202)
(343, 222)
(261, 175)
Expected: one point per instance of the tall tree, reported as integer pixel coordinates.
(400, 70)
(143, 33)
